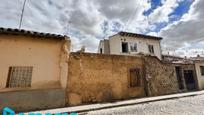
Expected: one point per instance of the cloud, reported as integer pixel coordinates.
(10, 13)
(161, 14)
(88, 21)
(82, 19)
(184, 33)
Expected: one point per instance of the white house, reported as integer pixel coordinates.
(125, 43)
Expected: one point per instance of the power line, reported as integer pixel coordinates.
(22, 13)
(130, 19)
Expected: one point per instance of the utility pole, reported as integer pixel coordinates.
(22, 13)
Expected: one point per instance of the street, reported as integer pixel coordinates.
(193, 105)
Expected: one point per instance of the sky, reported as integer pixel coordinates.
(86, 22)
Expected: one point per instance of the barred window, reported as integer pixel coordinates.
(19, 76)
(135, 79)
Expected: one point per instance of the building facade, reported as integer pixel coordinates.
(186, 76)
(199, 65)
(124, 43)
(33, 66)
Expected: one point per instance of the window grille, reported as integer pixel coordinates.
(19, 76)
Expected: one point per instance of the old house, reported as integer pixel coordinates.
(199, 66)
(34, 66)
(125, 43)
(186, 76)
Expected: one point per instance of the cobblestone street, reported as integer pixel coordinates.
(193, 105)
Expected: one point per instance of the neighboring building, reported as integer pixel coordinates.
(29, 62)
(199, 65)
(171, 58)
(185, 72)
(125, 43)
(186, 76)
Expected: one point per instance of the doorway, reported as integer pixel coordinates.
(179, 77)
(189, 79)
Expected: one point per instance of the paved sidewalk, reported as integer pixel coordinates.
(93, 107)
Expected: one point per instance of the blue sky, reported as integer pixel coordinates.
(179, 22)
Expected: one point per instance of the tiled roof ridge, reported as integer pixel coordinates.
(15, 31)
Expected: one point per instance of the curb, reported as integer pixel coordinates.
(93, 107)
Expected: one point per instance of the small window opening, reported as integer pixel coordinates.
(151, 48)
(135, 78)
(124, 47)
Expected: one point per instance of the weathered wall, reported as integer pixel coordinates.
(187, 67)
(47, 56)
(100, 78)
(33, 99)
(161, 77)
(200, 77)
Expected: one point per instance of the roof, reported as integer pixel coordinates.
(139, 35)
(13, 31)
(171, 56)
(197, 59)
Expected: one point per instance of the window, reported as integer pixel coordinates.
(135, 79)
(133, 47)
(202, 70)
(124, 47)
(151, 48)
(101, 50)
(19, 76)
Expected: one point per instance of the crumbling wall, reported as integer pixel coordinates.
(101, 78)
(161, 77)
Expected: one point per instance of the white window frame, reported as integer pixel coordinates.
(133, 47)
(151, 51)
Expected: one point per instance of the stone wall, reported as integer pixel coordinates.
(101, 78)
(161, 77)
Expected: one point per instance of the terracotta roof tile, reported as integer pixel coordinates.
(31, 33)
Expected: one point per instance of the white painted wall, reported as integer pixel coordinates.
(142, 45)
(199, 76)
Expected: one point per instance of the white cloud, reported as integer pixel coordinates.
(161, 14)
(183, 34)
(10, 13)
(83, 20)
